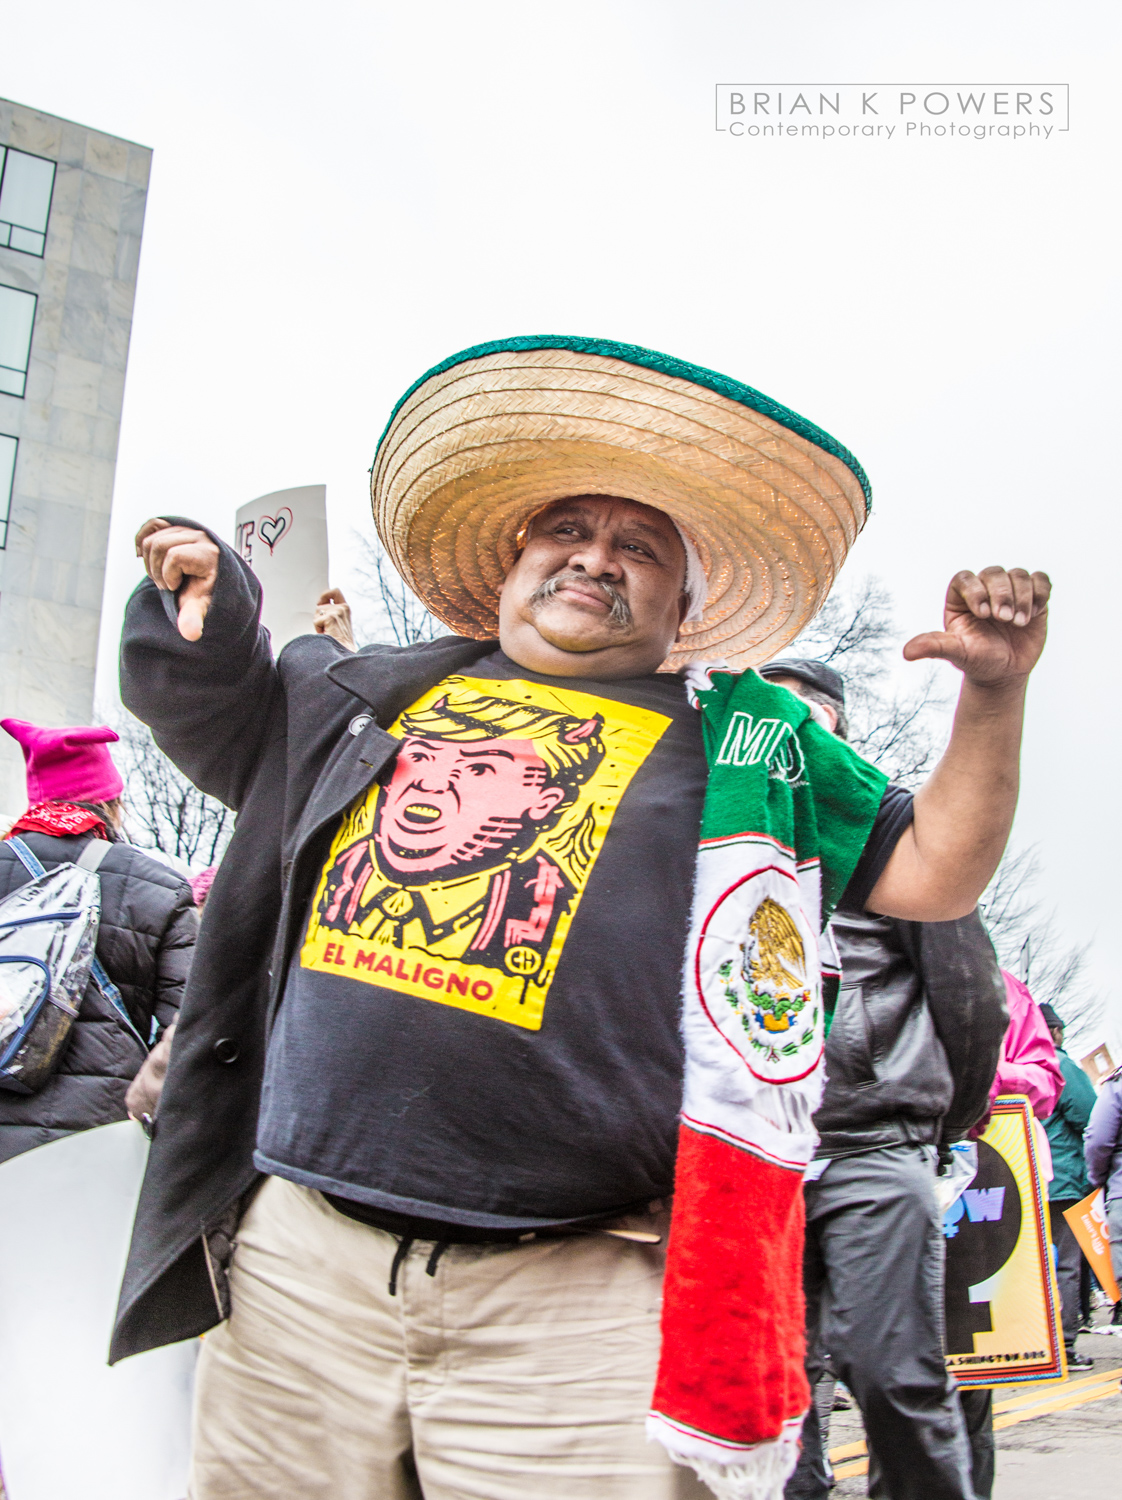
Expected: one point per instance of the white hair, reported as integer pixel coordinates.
(696, 586)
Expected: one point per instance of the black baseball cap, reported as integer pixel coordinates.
(815, 674)
(1051, 1019)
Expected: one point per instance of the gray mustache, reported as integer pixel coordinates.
(619, 616)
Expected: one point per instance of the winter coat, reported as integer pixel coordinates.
(1102, 1143)
(1065, 1127)
(916, 1034)
(1028, 1064)
(145, 940)
(289, 745)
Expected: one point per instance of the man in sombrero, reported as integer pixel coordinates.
(492, 1091)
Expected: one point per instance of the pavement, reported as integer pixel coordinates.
(1055, 1441)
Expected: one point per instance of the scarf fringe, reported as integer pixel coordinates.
(756, 1473)
(762, 1477)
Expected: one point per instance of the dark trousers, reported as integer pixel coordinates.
(1069, 1264)
(873, 1274)
(977, 1408)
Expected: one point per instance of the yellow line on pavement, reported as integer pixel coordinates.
(1042, 1389)
(850, 1471)
(848, 1450)
(1062, 1403)
(1047, 1396)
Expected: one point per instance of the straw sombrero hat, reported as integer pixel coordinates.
(487, 437)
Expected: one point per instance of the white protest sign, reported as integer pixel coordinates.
(70, 1425)
(283, 538)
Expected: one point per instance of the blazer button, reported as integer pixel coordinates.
(226, 1049)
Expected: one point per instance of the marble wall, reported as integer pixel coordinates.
(52, 569)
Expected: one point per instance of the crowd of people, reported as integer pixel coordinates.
(420, 1165)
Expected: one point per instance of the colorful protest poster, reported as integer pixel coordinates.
(283, 538)
(1003, 1312)
(1089, 1226)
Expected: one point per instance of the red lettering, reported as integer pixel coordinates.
(545, 888)
(401, 974)
(340, 956)
(364, 960)
(329, 954)
(481, 990)
(416, 973)
(438, 982)
(385, 965)
(459, 983)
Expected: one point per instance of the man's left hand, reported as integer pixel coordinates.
(994, 625)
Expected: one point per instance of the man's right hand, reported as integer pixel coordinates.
(181, 558)
(143, 1096)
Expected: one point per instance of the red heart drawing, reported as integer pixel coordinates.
(271, 528)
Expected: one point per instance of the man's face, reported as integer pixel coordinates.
(1057, 1036)
(822, 713)
(598, 590)
(449, 806)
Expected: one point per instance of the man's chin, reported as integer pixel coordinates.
(580, 635)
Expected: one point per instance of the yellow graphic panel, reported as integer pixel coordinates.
(1003, 1312)
(458, 880)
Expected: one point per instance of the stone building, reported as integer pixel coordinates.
(71, 212)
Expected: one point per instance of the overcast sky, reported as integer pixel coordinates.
(343, 194)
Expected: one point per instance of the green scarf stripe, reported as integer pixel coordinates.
(801, 786)
(666, 364)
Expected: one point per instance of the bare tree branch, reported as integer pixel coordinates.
(1030, 943)
(162, 809)
(388, 610)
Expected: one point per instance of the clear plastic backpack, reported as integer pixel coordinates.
(48, 933)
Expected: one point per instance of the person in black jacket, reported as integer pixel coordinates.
(911, 1053)
(145, 938)
(400, 1204)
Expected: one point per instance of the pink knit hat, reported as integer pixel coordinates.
(67, 765)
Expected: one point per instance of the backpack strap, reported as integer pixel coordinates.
(89, 859)
(92, 855)
(26, 857)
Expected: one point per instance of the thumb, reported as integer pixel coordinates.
(934, 645)
(194, 601)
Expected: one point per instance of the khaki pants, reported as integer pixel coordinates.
(513, 1372)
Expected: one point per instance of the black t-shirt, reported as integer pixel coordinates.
(896, 811)
(481, 1026)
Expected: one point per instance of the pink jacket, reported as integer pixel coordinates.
(1028, 1064)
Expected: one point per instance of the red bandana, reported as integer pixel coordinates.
(58, 818)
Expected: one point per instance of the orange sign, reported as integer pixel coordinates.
(1088, 1225)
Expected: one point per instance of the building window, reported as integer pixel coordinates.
(17, 319)
(26, 185)
(8, 446)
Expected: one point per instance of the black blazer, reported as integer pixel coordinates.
(289, 745)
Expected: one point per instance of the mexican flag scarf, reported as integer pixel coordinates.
(787, 814)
